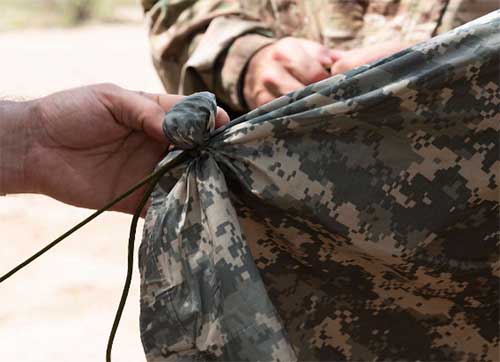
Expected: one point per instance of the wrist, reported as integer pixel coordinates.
(233, 72)
(251, 83)
(15, 143)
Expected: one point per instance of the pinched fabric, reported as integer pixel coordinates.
(355, 219)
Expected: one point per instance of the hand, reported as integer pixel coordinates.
(91, 144)
(350, 59)
(282, 67)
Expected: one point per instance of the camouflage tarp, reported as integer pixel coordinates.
(354, 219)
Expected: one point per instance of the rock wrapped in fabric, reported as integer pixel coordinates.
(355, 219)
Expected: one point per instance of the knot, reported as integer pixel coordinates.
(189, 123)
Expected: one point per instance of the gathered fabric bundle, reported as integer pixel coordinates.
(355, 219)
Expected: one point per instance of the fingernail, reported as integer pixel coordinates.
(222, 117)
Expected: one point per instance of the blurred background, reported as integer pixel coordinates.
(22, 14)
(61, 307)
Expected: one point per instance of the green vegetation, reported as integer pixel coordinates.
(21, 14)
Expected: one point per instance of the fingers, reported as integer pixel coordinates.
(277, 83)
(146, 112)
(346, 60)
(274, 82)
(350, 59)
(167, 101)
(305, 60)
(280, 81)
(221, 118)
(283, 67)
(318, 51)
(341, 66)
(337, 54)
(143, 111)
(307, 69)
(263, 96)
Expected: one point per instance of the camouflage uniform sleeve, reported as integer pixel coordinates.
(459, 12)
(418, 21)
(204, 45)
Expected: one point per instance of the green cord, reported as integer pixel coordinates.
(75, 228)
(130, 265)
(152, 180)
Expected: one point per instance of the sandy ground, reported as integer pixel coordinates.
(61, 307)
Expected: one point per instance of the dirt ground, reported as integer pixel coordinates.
(62, 306)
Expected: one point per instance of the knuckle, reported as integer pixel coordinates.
(106, 89)
(319, 74)
(268, 78)
(278, 55)
(263, 99)
(151, 113)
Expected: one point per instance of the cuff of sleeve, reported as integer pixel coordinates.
(232, 72)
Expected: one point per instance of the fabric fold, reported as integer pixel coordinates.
(202, 295)
(354, 219)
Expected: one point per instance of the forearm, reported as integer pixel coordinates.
(232, 72)
(205, 45)
(176, 30)
(15, 142)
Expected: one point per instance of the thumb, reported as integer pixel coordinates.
(221, 118)
(167, 101)
(145, 112)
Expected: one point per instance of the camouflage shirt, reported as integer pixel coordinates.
(355, 219)
(206, 44)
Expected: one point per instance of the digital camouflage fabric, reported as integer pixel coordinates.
(355, 219)
(202, 45)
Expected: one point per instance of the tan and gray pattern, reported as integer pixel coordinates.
(355, 219)
(205, 45)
